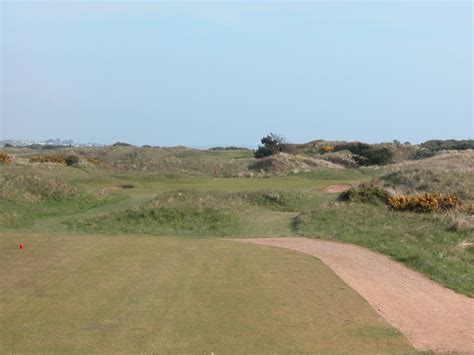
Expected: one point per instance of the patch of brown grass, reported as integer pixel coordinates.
(5, 159)
(48, 159)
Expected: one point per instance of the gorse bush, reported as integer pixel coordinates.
(5, 159)
(428, 202)
(327, 149)
(70, 160)
(48, 159)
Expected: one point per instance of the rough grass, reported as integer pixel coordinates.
(137, 294)
(422, 180)
(424, 242)
(49, 194)
(164, 220)
(188, 213)
(449, 172)
(28, 193)
(129, 160)
(129, 292)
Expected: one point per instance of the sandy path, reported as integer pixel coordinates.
(337, 188)
(431, 317)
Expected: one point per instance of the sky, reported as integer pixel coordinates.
(202, 73)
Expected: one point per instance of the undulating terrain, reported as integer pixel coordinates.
(128, 248)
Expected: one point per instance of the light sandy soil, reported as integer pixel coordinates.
(431, 317)
(337, 188)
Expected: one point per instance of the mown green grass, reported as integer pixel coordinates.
(135, 294)
(424, 242)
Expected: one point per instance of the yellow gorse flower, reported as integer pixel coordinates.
(327, 148)
(428, 202)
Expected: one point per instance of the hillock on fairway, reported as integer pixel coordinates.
(131, 242)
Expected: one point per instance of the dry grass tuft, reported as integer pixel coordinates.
(5, 159)
(460, 222)
(58, 159)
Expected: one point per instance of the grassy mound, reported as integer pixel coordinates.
(166, 220)
(429, 243)
(191, 213)
(423, 180)
(28, 193)
(178, 214)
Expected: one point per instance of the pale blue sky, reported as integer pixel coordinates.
(213, 73)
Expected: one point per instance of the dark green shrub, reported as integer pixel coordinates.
(262, 152)
(366, 154)
(424, 153)
(272, 144)
(71, 160)
(122, 144)
(127, 186)
(450, 144)
(366, 193)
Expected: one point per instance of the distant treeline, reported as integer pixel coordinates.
(451, 144)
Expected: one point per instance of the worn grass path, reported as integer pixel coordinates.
(432, 317)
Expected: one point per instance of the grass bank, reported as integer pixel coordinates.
(424, 242)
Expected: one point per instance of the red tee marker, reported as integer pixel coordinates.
(22, 245)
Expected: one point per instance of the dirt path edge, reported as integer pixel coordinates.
(432, 317)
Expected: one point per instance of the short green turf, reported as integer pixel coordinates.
(145, 294)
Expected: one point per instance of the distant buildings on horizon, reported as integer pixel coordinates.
(55, 142)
